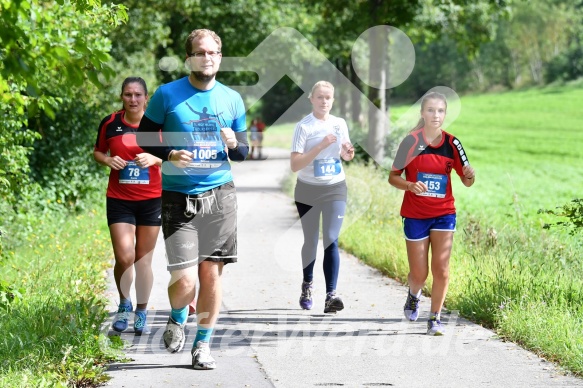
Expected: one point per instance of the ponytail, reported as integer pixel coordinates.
(420, 124)
(428, 96)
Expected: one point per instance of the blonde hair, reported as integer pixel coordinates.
(198, 34)
(429, 96)
(321, 84)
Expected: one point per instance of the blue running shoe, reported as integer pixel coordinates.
(434, 326)
(120, 322)
(306, 297)
(411, 308)
(140, 323)
(333, 303)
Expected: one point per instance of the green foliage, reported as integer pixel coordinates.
(62, 163)
(523, 44)
(279, 99)
(279, 136)
(258, 19)
(8, 294)
(497, 273)
(454, 73)
(52, 55)
(567, 64)
(47, 53)
(469, 24)
(55, 323)
(573, 211)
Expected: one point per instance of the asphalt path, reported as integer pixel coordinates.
(264, 339)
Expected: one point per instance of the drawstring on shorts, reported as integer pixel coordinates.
(201, 203)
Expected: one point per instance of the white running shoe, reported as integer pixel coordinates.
(201, 356)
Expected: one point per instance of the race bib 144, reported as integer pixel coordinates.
(327, 167)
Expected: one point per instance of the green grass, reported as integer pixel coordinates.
(507, 272)
(496, 279)
(53, 305)
(525, 147)
(279, 136)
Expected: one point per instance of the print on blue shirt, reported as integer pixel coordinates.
(192, 119)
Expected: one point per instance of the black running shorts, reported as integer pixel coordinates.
(140, 213)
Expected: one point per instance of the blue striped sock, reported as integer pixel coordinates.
(203, 334)
(180, 315)
(125, 302)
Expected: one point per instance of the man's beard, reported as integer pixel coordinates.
(202, 77)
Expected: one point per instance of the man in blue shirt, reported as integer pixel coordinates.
(197, 125)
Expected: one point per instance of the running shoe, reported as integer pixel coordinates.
(411, 308)
(333, 303)
(306, 297)
(174, 336)
(434, 327)
(120, 322)
(201, 356)
(140, 323)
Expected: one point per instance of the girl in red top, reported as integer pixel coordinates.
(133, 202)
(427, 156)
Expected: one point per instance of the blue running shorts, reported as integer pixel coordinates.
(418, 229)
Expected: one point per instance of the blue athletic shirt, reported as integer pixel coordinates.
(191, 119)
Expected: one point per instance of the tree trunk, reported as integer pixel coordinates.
(355, 107)
(377, 117)
(341, 97)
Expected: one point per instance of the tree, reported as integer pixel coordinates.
(468, 22)
(250, 22)
(48, 51)
(535, 35)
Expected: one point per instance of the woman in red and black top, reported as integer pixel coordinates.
(427, 156)
(133, 202)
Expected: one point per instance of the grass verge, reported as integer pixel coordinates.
(525, 282)
(53, 305)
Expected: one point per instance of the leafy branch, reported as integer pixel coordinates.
(572, 211)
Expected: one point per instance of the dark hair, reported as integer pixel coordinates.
(131, 80)
(201, 33)
(428, 96)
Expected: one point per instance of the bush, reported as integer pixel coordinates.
(62, 161)
(573, 211)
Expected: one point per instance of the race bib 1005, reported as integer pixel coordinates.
(205, 153)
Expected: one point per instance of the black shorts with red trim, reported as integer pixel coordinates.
(140, 213)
